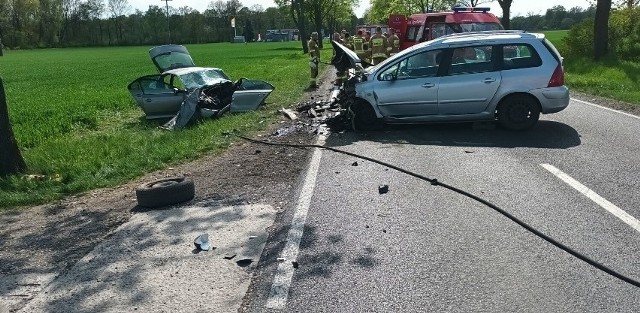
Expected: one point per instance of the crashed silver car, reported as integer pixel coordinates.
(162, 95)
(506, 76)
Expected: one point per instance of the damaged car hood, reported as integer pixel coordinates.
(345, 59)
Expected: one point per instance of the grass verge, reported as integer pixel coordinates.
(79, 128)
(611, 78)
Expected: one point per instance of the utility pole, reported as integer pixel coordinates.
(168, 26)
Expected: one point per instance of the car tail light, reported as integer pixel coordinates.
(557, 79)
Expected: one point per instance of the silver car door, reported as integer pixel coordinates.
(471, 82)
(250, 94)
(155, 95)
(409, 88)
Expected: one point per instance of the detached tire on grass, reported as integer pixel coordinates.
(166, 191)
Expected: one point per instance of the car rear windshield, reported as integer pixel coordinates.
(552, 49)
(173, 60)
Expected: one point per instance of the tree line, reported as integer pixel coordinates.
(75, 23)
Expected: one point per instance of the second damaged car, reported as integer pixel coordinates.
(207, 91)
(506, 76)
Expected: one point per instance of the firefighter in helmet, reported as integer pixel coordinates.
(378, 46)
(358, 45)
(314, 59)
(394, 42)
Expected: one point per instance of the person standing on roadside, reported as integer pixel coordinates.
(314, 59)
(394, 43)
(367, 55)
(378, 45)
(358, 45)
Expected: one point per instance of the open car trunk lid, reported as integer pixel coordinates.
(169, 57)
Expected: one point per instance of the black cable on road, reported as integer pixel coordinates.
(435, 182)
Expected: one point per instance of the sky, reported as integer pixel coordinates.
(518, 7)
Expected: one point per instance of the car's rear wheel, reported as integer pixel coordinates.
(363, 117)
(518, 112)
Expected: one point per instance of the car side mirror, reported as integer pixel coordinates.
(388, 77)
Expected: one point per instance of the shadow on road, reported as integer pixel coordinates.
(546, 134)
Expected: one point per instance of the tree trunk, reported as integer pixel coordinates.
(11, 161)
(505, 5)
(297, 14)
(601, 29)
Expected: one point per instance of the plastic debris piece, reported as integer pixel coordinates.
(202, 242)
(281, 259)
(382, 189)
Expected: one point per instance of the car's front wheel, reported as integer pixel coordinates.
(518, 112)
(363, 117)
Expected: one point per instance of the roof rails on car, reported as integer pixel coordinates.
(485, 32)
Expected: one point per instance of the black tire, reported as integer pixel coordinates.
(363, 117)
(518, 112)
(166, 191)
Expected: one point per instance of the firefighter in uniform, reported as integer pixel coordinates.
(358, 45)
(347, 42)
(367, 37)
(314, 59)
(378, 47)
(394, 43)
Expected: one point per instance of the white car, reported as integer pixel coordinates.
(161, 95)
(508, 76)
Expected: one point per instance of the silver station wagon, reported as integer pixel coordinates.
(508, 76)
(161, 95)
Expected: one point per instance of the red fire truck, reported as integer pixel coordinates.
(426, 26)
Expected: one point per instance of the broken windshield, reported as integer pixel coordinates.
(203, 77)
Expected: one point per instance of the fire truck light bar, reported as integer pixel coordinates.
(465, 9)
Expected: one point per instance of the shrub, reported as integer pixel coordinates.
(624, 33)
(579, 40)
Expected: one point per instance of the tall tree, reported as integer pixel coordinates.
(505, 5)
(11, 161)
(381, 9)
(118, 9)
(297, 9)
(601, 29)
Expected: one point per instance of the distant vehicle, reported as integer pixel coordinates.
(371, 29)
(161, 95)
(457, 78)
(422, 27)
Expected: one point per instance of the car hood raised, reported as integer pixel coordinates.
(169, 57)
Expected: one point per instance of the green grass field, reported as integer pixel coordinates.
(609, 78)
(77, 124)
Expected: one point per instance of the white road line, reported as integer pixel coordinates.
(605, 108)
(282, 280)
(612, 208)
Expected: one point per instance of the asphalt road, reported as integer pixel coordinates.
(422, 248)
